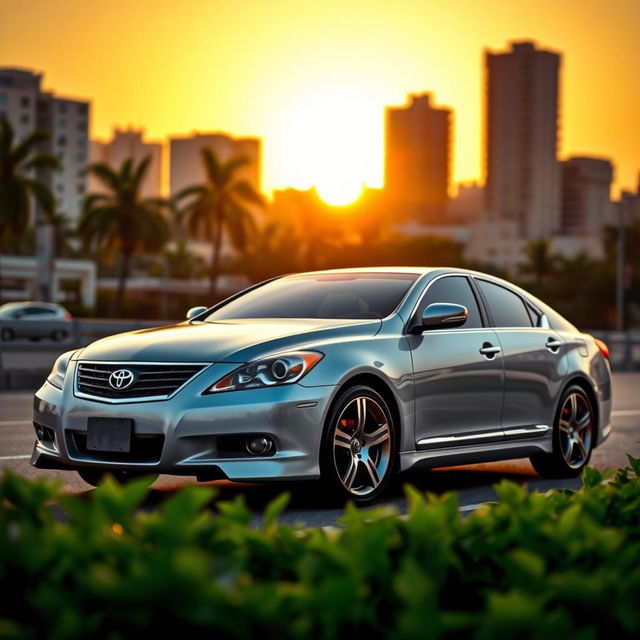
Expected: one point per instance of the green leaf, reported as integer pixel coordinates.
(275, 508)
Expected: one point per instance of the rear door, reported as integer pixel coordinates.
(533, 362)
(458, 388)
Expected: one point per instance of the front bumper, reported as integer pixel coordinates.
(184, 434)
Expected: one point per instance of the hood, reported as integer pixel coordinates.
(228, 341)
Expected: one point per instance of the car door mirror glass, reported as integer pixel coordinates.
(195, 311)
(443, 315)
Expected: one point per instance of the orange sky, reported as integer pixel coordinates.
(312, 78)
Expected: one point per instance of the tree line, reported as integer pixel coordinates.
(125, 231)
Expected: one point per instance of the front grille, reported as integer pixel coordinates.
(149, 380)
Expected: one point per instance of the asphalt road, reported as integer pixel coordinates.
(308, 505)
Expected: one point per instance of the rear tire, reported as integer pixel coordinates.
(95, 476)
(359, 446)
(573, 437)
(58, 335)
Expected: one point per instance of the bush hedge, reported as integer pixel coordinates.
(564, 564)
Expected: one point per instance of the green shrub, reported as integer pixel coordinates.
(564, 564)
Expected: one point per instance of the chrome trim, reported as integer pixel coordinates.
(515, 432)
(537, 430)
(489, 350)
(81, 394)
(465, 438)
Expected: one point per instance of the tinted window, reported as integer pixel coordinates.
(349, 295)
(507, 308)
(39, 312)
(454, 289)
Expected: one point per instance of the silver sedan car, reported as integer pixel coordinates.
(346, 376)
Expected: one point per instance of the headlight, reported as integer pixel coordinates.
(56, 377)
(283, 368)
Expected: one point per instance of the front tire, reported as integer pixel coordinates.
(95, 476)
(573, 437)
(359, 445)
(7, 335)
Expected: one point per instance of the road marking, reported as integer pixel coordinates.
(15, 457)
(6, 423)
(473, 507)
(626, 412)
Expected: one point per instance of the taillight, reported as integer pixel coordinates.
(604, 350)
(67, 315)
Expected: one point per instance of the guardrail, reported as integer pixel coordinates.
(79, 332)
(624, 348)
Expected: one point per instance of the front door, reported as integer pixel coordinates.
(458, 374)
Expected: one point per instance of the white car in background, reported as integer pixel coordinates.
(34, 320)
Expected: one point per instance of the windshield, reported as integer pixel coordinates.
(344, 295)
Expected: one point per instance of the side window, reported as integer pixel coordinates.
(454, 289)
(507, 308)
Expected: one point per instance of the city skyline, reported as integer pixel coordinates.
(313, 80)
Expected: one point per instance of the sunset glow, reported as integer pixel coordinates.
(312, 78)
(339, 192)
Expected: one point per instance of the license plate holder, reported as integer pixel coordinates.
(109, 434)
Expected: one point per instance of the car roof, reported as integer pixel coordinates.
(419, 271)
(29, 304)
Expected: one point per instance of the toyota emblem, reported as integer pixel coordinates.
(121, 379)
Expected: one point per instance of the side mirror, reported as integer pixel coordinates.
(195, 311)
(442, 315)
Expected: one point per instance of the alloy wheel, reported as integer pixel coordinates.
(575, 429)
(362, 446)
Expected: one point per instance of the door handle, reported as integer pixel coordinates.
(553, 345)
(489, 351)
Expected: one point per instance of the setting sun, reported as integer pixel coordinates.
(331, 136)
(339, 192)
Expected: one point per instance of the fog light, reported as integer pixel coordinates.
(39, 432)
(259, 445)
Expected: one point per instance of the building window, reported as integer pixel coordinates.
(62, 141)
(82, 125)
(83, 108)
(3, 98)
(80, 189)
(62, 107)
(60, 187)
(80, 157)
(24, 101)
(24, 118)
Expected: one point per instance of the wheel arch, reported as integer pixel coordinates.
(384, 389)
(585, 384)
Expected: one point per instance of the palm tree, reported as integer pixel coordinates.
(272, 251)
(218, 206)
(540, 262)
(18, 186)
(121, 221)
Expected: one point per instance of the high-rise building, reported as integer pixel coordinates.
(129, 144)
(186, 168)
(522, 171)
(586, 195)
(27, 107)
(417, 159)
(468, 205)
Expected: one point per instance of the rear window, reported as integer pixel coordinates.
(507, 308)
(348, 295)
